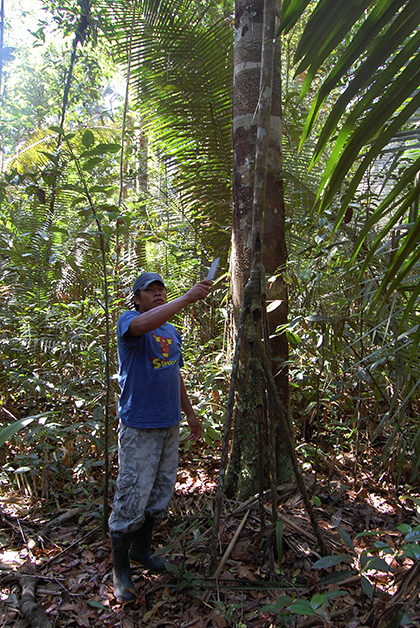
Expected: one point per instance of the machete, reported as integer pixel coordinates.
(213, 269)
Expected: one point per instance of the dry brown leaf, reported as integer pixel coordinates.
(218, 621)
(241, 550)
(244, 572)
(149, 614)
(90, 556)
(191, 620)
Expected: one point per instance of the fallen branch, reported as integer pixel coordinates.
(64, 518)
(35, 614)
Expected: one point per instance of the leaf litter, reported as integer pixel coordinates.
(371, 577)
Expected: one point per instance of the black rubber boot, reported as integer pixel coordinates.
(141, 551)
(124, 590)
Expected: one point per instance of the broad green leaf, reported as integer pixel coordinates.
(400, 618)
(49, 178)
(96, 604)
(57, 129)
(412, 550)
(301, 607)
(280, 604)
(7, 432)
(379, 564)
(101, 149)
(76, 187)
(53, 158)
(274, 305)
(412, 536)
(88, 139)
(338, 576)
(100, 188)
(367, 587)
(330, 561)
(293, 339)
(91, 163)
(109, 148)
(214, 434)
(346, 538)
(318, 600)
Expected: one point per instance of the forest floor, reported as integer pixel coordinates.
(370, 579)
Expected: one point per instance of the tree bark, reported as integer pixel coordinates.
(243, 476)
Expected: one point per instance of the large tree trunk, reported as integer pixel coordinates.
(243, 470)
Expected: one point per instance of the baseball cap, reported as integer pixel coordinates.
(144, 280)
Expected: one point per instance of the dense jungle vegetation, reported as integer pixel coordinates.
(116, 157)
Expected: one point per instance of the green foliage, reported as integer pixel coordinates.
(352, 270)
(181, 81)
(286, 607)
(364, 563)
(377, 76)
(10, 430)
(59, 196)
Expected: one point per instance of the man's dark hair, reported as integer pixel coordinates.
(136, 305)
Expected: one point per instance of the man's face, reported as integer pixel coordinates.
(153, 296)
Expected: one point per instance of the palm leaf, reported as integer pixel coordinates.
(333, 19)
(181, 82)
(366, 50)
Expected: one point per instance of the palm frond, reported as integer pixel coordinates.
(181, 81)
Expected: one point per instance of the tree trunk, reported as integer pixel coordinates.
(242, 476)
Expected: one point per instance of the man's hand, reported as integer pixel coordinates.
(199, 291)
(195, 428)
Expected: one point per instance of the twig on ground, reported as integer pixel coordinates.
(231, 546)
(66, 549)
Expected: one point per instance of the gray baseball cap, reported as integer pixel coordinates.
(144, 280)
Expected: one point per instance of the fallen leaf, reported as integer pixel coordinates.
(88, 555)
(218, 621)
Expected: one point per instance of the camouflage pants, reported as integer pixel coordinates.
(148, 464)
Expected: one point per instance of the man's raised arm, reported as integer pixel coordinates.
(159, 315)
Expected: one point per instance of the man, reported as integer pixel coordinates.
(152, 397)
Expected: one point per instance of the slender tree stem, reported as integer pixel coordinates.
(107, 340)
(263, 131)
(82, 26)
(126, 97)
(226, 435)
(274, 395)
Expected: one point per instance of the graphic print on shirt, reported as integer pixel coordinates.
(164, 344)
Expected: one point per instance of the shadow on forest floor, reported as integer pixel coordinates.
(371, 580)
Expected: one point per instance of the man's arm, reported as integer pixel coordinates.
(157, 316)
(186, 407)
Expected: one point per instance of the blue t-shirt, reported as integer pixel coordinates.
(149, 375)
